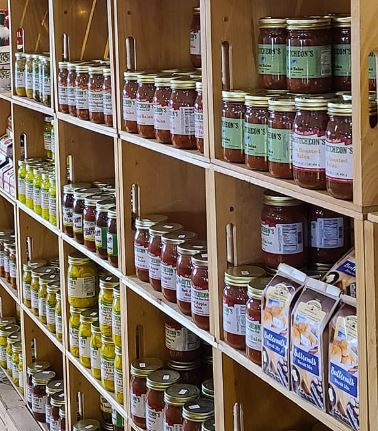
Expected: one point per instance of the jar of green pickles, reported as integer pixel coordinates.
(5, 332)
(46, 81)
(11, 340)
(21, 373)
(105, 300)
(86, 319)
(52, 199)
(107, 356)
(52, 289)
(48, 132)
(116, 317)
(21, 174)
(118, 375)
(44, 281)
(29, 187)
(37, 181)
(73, 330)
(34, 286)
(81, 281)
(58, 317)
(16, 350)
(95, 350)
(35, 73)
(27, 278)
(29, 75)
(45, 188)
(19, 74)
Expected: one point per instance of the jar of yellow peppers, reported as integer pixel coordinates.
(52, 199)
(118, 375)
(52, 289)
(81, 281)
(11, 339)
(95, 347)
(45, 196)
(44, 281)
(21, 373)
(58, 317)
(29, 76)
(73, 329)
(37, 181)
(105, 303)
(21, 174)
(16, 349)
(107, 356)
(5, 332)
(86, 318)
(27, 278)
(116, 317)
(34, 286)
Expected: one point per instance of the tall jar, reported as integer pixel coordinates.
(44, 281)
(200, 304)
(116, 317)
(161, 108)
(68, 206)
(31, 370)
(21, 173)
(118, 375)
(19, 74)
(58, 317)
(81, 92)
(182, 344)
(372, 72)
(105, 303)
(196, 412)
(71, 89)
(5, 332)
(175, 397)
(145, 105)
(112, 237)
(342, 53)
(62, 87)
(29, 76)
(78, 210)
(73, 330)
(95, 95)
(89, 221)
(45, 187)
(81, 281)
(101, 229)
(35, 72)
(195, 38)
(13, 267)
(198, 118)
(46, 83)
(95, 347)
(107, 97)
(128, 102)
(52, 290)
(87, 317)
(27, 279)
(52, 199)
(107, 356)
(52, 388)
(37, 181)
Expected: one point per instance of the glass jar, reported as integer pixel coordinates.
(5, 332)
(89, 221)
(118, 375)
(309, 55)
(118, 421)
(36, 273)
(112, 237)
(81, 281)
(200, 304)
(29, 178)
(35, 77)
(46, 83)
(235, 299)
(5, 240)
(280, 125)
(157, 382)
(62, 87)
(101, 229)
(195, 38)
(196, 412)
(207, 388)
(95, 347)
(168, 263)
(11, 340)
(58, 317)
(44, 281)
(81, 92)
(73, 330)
(184, 268)
(190, 372)
(87, 425)
(182, 344)
(39, 381)
(341, 50)
(78, 210)
(116, 317)
(272, 53)
(19, 74)
(21, 385)
(29, 76)
(107, 98)
(198, 119)
(52, 388)
(13, 267)
(161, 108)
(372, 72)
(52, 199)
(71, 89)
(37, 181)
(181, 113)
(208, 425)
(45, 187)
(128, 102)
(68, 206)
(86, 319)
(27, 279)
(140, 369)
(339, 151)
(105, 303)
(107, 356)
(21, 173)
(31, 370)
(52, 290)
(233, 111)
(57, 402)
(154, 251)
(95, 95)
(144, 105)
(175, 397)
(7, 247)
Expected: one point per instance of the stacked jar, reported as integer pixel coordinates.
(8, 261)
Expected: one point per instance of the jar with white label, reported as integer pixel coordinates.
(78, 212)
(31, 370)
(161, 108)
(128, 102)
(198, 118)
(107, 356)
(39, 395)
(87, 317)
(175, 397)
(145, 105)
(19, 73)
(182, 344)
(95, 95)
(81, 281)
(105, 302)
(118, 375)
(116, 317)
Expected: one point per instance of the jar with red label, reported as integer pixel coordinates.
(71, 88)
(89, 221)
(168, 262)
(190, 372)
(140, 370)
(181, 112)
(107, 97)
(184, 271)
(144, 105)
(161, 108)
(339, 151)
(95, 95)
(101, 229)
(198, 118)
(81, 92)
(141, 241)
(308, 142)
(280, 126)
(154, 251)
(235, 297)
(196, 412)
(283, 228)
(200, 307)
(195, 38)
(175, 397)
(128, 101)
(157, 382)
(78, 210)
(112, 237)
(342, 53)
(39, 396)
(182, 344)
(62, 87)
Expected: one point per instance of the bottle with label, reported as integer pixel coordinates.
(195, 38)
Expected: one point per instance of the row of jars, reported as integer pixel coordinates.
(166, 107)
(85, 91)
(90, 217)
(49, 137)
(33, 77)
(8, 257)
(306, 138)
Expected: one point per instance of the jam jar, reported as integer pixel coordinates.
(339, 150)
(57, 402)
(107, 97)
(207, 388)
(161, 108)
(195, 38)
(235, 300)
(280, 125)
(189, 371)
(39, 397)
(52, 388)
(19, 74)
(168, 263)
(233, 111)
(157, 382)
(140, 369)
(200, 305)
(309, 55)
(81, 92)
(87, 425)
(308, 142)
(184, 269)
(78, 211)
(175, 397)
(372, 72)
(341, 53)
(71, 89)
(182, 344)
(208, 425)
(31, 370)
(101, 229)
(283, 227)
(128, 102)
(89, 221)
(141, 241)
(196, 412)
(198, 118)
(272, 53)
(95, 95)
(68, 205)
(112, 237)
(256, 131)
(154, 251)
(62, 87)
(144, 105)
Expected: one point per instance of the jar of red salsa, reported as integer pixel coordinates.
(198, 118)
(112, 237)
(78, 211)
(184, 271)
(140, 369)
(207, 389)
(168, 263)
(175, 397)
(57, 402)
(107, 97)
(81, 92)
(31, 370)
(200, 305)
(342, 53)
(128, 101)
(339, 150)
(272, 53)
(39, 396)
(195, 38)
(89, 221)
(101, 228)
(95, 95)
(62, 87)
(196, 412)
(235, 299)
(182, 344)
(71, 88)
(161, 108)
(190, 372)
(154, 251)
(145, 105)
(68, 205)
(283, 227)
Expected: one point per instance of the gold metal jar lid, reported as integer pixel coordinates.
(198, 410)
(271, 22)
(77, 258)
(233, 95)
(160, 380)
(17, 347)
(93, 199)
(46, 279)
(76, 311)
(180, 393)
(145, 222)
(308, 23)
(164, 228)
(9, 320)
(58, 399)
(276, 199)
(208, 388)
(178, 237)
(340, 108)
(256, 287)
(344, 21)
(208, 425)
(54, 387)
(258, 99)
(146, 78)
(241, 275)
(63, 64)
(184, 366)
(200, 259)
(62, 412)
(95, 327)
(144, 366)
(14, 338)
(53, 287)
(109, 282)
(19, 55)
(86, 425)
(37, 366)
(182, 83)
(196, 10)
(107, 71)
(43, 377)
(163, 80)
(42, 270)
(192, 247)
(313, 103)
(118, 350)
(89, 316)
(131, 75)
(33, 264)
(281, 104)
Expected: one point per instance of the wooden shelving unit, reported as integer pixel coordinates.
(202, 192)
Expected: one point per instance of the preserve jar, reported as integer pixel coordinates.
(154, 251)
(78, 211)
(341, 50)
(198, 118)
(57, 402)
(35, 77)
(308, 142)
(89, 221)
(339, 150)
(107, 356)
(16, 350)
(189, 371)
(157, 382)
(52, 199)
(13, 267)
(81, 92)
(309, 55)
(71, 88)
(29, 76)
(39, 381)
(196, 412)
(233, 111)
(68, 204)
(29, 185)
(161, 108)
(208, 425)
(283, 228)
(7, 246)
(200, 305)
(34, 286)
(182, 344)
(116, 317)
(62, 87)
(144, 105)
(140, 369)
(4, 241)
(73, 330)
(95, 95)
(81, 281)
(195, 38)
(5, 332)
(26, 282)
(128, 102)
(45, 186)
(101, 229)
(105, 303)
(37, 181)
(372, 72)
(168, 263)
(112, 237)
(44, 281)
(235, 299)
(272, 53)
(87, 425)
(46, 81)
(21, 173)
(11, 340)
(52, 290)
(52, 388)
(21, 385)
(184, 268)
(19, 74)
(118, 375)
(256, 131)
(87, 317)
(32, 369)
(107, 97)
(58, 317)
(175, 397)
(207, 388)
(95, 348)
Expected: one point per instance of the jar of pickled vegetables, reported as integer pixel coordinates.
(13, 267)
(27, 279)
(107, 356)
(16, 349)
(44, 280)
(21, 173)
(37, 181)
(95, 346)
(52, 199)
(11, 339)
(21, 373)
(86, 319)
(58, 317)
(29, 188)
(81, 281)
(105, 303)
(73, 329)
(116, 317)
(52, 290)
(29, 76)
(118, 375)
(45, 187)
(19, 74)
(46, 83)
(35, 78)
(34, 287)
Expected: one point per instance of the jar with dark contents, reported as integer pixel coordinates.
(68, 205)
(168, 262)
(53, 387)
(36, 76)
(13, 267)
(39, 397)
(198, 118)
(200, 304)
(208, 425)
(283, 228)
(233, 111)
(144, 105)
(57, 402)
(175, 397)
(31, 370)
(141, 241)
(272, 53)
(207, 388)
(195, 38)
(309, 55)
(235, 298)
(190, 372)
(154, 251)
(373, 114)
(280, 125)
(62, 87)
(256, 131)
(71, 89)
(78, 210)
(140, 370)
(128, 102)
(118, 421)
(342, 53)
(101, 229)
(308, 142)
(89, 221)
(161, 108)
(339, 151)
(372, 72)
(95, 95)
(107, 98)
(112, 237)
(182, 344)
(81, 92)
(87, 425)
(196, 412)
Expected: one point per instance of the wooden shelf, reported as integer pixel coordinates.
(7, 196)
(31, 104)
(38, 218)
(10, 290)
(99, 128)
(11, 382)
(6, 95)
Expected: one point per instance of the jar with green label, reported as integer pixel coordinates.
(46, 81)
(45, 188)
(73, 330)
(11, 340)
(36, 76)
(29, 187)
(342, 53)
(52, 290)
(21, 373)
(116, 317)
(112, 237)
(37, 182)
(232, 125)
(372, 72)
(58, 317)
(86, 319)
(19, 74)
(95, 347)
(29, 75)
(16, 350)
(5, 332)
(81, 281)
(21, 174)
(107, 356)
(105, 300)
(52, 200)
(34, 287)
(118, 375)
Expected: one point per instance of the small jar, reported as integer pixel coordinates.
(46, 83)
(11, 340)
(157, 382)
(68, 206)
(57, 402)
(21, 384)
(81, 281)
(195, 38)
(116, 317)
(372, 72)
(44, 281)
(190, 372)
(58, 317)
(200, 303)
(168, 257)
(52, 290)
(342, 53)
(161, 108)
(175, 397)
(21, 173)
(181, 113)
(45, 187)
(5, 240)
(81, 92)
(107, 97)
(235, 299)
(339, 151)
(78, 210)
(5, 332)
(19, 74)
(29, 76)
(31, 370)
(40, 380)
(35, 74)
(37, 181)
(280, 125)
(207, 389)
(105, 303)
(52, 388)
(139, 370)
(34, 286)
(195, 413)
(198, 119)
(101, 229)
(154, 251)
(95, 348)
(52, 199)
(208, 425)
(73, 330)
(62, 87)
(13, 267)
(95, 95)
(71, 89)
(182, 344)
(87, 425)
(87, 317)
(128, 102)
(107, 356)
(7, 246)
(29, 190)
(118, 375)
(144, 105)
(112, 237)
(184, 268)
(272, 53)
(118, 421)
(233, 111)
(89, 221)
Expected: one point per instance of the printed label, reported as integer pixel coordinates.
(78, 223)
(45, 199)
(74, 337)
(100, 237)
(29, 190)
(84, 347)
(81, 98)
(256, 139)
(26, 291)
(28, 80)
(29, 394)
(52, 206)
(234, 318)
(67, 217)
(39, 404)
(50, 314)
(3, 354)
(168, 276)
(21, 186)
(183, 288)
(116, 323)
(129, 109)
(181, 340)
(6, 266)
(195, 42)
(118, 381)
(182, 121)
(108, 105)
(175, 427)
(62, 94)
(105, 314)
(34, 299)
(372, 66)
(342, 60)
(232, 133)
(279, 145)
(42, 307)
(200, 301)
(154, 266)
(71, 96)
(308, 151)
(47, 140)
(95, 358)
(145, 113)
(309, 62)
(282, 238)
(198, 124)
(161, 117)
(89, 230)
(112, 244)
(84, 287)
(141, 257)
(95, 101)
(20, 79)
(12, 269)
(107, 369)
(46, 87)
(272, 59)
(339, 160)
(58, 324)
(54, 425)
(138, 405)
(36, 196)
(327, 232)
(154, 419)
(253, 334)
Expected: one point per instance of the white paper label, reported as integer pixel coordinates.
(116, 323)
(339, 161)
(20, 79)
(168, 276)
(198, 124)
(42, 307)
(74, 337)
(200, 302)
(34, 299)
(21, 186)
(3, 354)
(95, 101)
(26, 291)
(71, 96)
(28, 80)
(327, 232)
(108, 106)
(118, 381)
(195, 42)
(67, 217)
(145, 113)
(161, 117)
(154, 266)
(253, 334)
(105, 314)
(181, 340)
(45, 199)
(107, 369)
(138, 405)
(95, 358)
(89, 230)
(50, 315)
(84, 347)
(175, 427)
(58, 324)
(52, 206)
(183, 288)
(308, 151)
(62, 94)
(39, 404)
(234, 318)
(36, 197)
(154, 419)
(84, 287)
(282, 238)
(81, 98)
(12, 269)
(141, 257)
(78, 223)
(129, 109)
(29, 190)
(182, 121)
